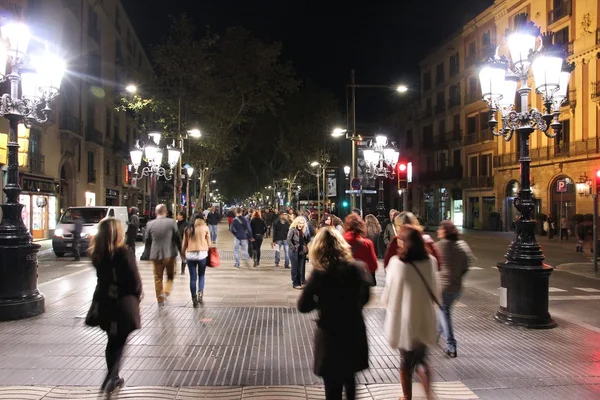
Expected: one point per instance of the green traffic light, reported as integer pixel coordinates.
(344, 204)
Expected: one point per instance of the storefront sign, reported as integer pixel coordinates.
(112, 194)
(36, 185)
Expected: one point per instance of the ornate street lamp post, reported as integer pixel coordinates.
(154, 161)
(34, 84)
(524, 275)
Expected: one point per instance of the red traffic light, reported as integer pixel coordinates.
(402, 168)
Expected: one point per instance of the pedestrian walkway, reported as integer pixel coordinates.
(248, 341)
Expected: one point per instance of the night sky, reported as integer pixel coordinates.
(383, 40)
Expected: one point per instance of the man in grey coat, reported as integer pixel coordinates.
(165, 245)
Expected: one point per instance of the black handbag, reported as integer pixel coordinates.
(93, 315)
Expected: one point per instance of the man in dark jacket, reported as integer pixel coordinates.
(280, 232)
(212, 219)
(269, 219)
(181, 225)
(242, 232)
(133, 225)
(77, 228)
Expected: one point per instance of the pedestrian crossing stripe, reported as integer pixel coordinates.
(587, 289)
(553, 289)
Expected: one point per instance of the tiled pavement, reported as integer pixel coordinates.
(249, 336)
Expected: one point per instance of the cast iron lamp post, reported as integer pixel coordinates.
(154, 160)
(34, 84)
(524, 275)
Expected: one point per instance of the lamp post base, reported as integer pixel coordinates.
(524, 296)
(19, 296)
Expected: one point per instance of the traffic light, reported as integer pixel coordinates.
(598, 181)
(344, 204)
(402, 171)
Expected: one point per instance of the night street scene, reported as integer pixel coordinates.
(299, 200)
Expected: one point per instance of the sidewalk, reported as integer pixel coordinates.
(248, 341)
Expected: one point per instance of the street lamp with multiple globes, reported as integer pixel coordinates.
(190, 171)
(34, 84)
(154, 161)
(524, 275)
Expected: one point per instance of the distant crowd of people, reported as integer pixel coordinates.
(423, 279)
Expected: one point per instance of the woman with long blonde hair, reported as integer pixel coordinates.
(298, 250)
(115, 306)
(194, 249)
(338, 288)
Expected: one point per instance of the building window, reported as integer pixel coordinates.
(472, 53)
(484, 119)
(486, 39)
(454, 96)
(564, 138)
(473, 166)
(91, 167)
(456, 126)
(90, 114)
(441, 127)
(95, 66)
(427, 136)
(439, 73)
(427, 81)
(456, 158)
(108, 123)
(116, 130)
(34, 142)
(485, 165)
(116, 175)
(454, 64)
(443, 161)
(471, 125)
(409, 139)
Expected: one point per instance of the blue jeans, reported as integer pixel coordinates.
(285, 245)
(298, 267)
(445, 319)
(213, 232)
(197, 270)
(237, 243)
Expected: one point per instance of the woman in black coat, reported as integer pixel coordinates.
(338, 288)
(116, 303)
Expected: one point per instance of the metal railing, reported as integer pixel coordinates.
(478, 137)
(69, 123)
(37, 163)
(453, 172)
(478, 182)
(550, 153)
(559, 12)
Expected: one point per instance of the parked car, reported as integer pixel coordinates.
(62, 242)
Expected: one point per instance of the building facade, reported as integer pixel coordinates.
(82, 156)
(460, 170)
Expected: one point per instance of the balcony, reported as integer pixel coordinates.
(583, 148)
(560, 12)
(478, 137)
(93, 135)
(37, 164)
(69, 123)
(453, 172)
(478, 182)
(596, 91)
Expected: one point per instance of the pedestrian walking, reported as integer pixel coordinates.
(374, 232)
(298, 239)
(389, 232)
(281, 228)
(77, 229)
(182, 224)
(551, 227)
(339, 289)
(338, 223)
(259, 228)
(269, 219)
(212, 219)
(242, 232)
(409, 296)
(165, 245)
(408, 219)
(194, 250)
(133, 225)
(456, 259)
(115, 306)
(230, 216)
(564, 228)
(362, 247)
(326, 221)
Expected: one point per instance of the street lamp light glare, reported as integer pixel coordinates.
(402, 89)
(131, 88)
(314, 163)
(195, 133)
(213, 181)
(337, 132)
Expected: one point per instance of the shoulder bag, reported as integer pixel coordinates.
(433, 298)
(214, 260)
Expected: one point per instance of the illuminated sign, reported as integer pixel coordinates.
(409, 173)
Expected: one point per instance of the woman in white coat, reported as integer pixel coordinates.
(409, 296)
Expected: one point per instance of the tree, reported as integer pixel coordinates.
(222, 81)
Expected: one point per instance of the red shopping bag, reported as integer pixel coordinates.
(214, 261)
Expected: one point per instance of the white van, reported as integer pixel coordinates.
(62, 242)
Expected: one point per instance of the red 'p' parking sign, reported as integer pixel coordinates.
(561, 186)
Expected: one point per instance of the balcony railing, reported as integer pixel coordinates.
(596, 91)
(453, 172)
(93, 135)
(472, 182)
(587, 147)
(559, 12)
(478, 137)
(37, 164)
(70, 123)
